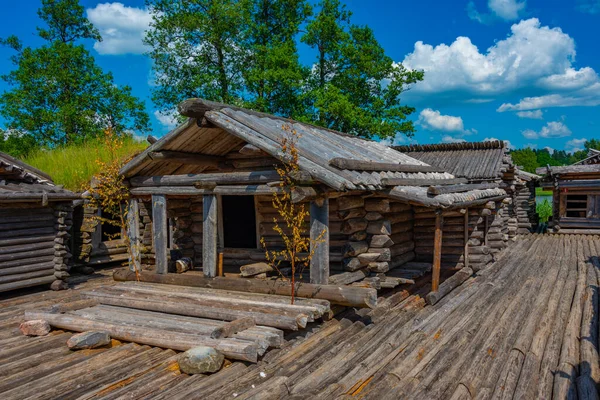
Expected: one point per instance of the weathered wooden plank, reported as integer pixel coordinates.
(133, 232)
(437, 252)
(347, 296)
(437, 190)
(360, 165)
(159, 231)
(209, 235)
(319, 236)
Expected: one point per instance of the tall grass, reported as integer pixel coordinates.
(73, 166)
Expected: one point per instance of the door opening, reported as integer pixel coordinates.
(239, 222)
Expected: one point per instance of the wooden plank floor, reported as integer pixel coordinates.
(525, 327)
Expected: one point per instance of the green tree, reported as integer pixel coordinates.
(58, 94)
(273, 74)
(354, 86)
(16, 144)
(196, 50)
(525, 158)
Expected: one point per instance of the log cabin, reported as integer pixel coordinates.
(204, 191)
(35, 218)
(486, 162)
(576, 195)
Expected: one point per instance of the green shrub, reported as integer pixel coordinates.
(544, 210)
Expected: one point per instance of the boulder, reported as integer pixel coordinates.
(200, 360)
(88, 340)
(36, 327)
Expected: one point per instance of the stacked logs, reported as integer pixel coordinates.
(525, 208)
(380, 233)
(63, 214)
(186, 225)
(87, 226)
(147, 250)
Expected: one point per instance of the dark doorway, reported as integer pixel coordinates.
(239, 222)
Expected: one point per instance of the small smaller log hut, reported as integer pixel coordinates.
(35, 218)
(576, 196)
(205, 189)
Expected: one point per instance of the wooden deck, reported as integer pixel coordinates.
(512, 331)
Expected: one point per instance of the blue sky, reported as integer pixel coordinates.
(525, 71)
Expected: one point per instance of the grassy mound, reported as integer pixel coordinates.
(73, 166)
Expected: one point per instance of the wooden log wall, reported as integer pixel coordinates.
(487, 235)
(34, 246)
(88, 245)
(380, 233)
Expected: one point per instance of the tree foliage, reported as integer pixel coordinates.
(530, 159)
(245, 52)
(58, 94)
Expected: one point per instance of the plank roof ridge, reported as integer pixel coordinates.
(486, 145)
(28, 171)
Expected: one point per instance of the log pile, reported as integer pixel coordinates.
(34, 246)
(242, 326)
(525, 212)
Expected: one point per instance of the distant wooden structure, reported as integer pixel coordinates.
(576, 195)
(205, 189)
(35, 218)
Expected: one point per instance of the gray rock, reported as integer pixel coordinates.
(88, 340)
(200, 360)
(36, 327)
(59, 284)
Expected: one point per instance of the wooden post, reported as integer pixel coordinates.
(159, 228)
(437, 251)
(319, 221)
(133, 232)
(485, 230)
(466, 255)
(209, 235)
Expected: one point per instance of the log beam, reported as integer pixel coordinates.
(360, 165)
(181, 157)
(159, 230)
(437, 190)
(209, 235)
(319, 241)
(437, 251)
(133, 232)
(342, 295)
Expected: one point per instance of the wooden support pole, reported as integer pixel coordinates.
(319, 222)
(209, 235)
(159, 227)
(467, 238)
(133, 232)
(437, 251)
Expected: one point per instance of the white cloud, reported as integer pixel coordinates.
(451, 139)
(550, 149)
(575, 145)
(531, 58)
(589, 6)
(554, 129)
(531, 145)
(122, 28)
(167, 119)
(508, 10)
(537, 114)
(433, 120)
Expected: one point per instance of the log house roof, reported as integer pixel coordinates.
(472, 160)
(219, 131)
(20, 181)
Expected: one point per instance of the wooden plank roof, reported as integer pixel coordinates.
(20, 181)
(230, 127)
(472, 160)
